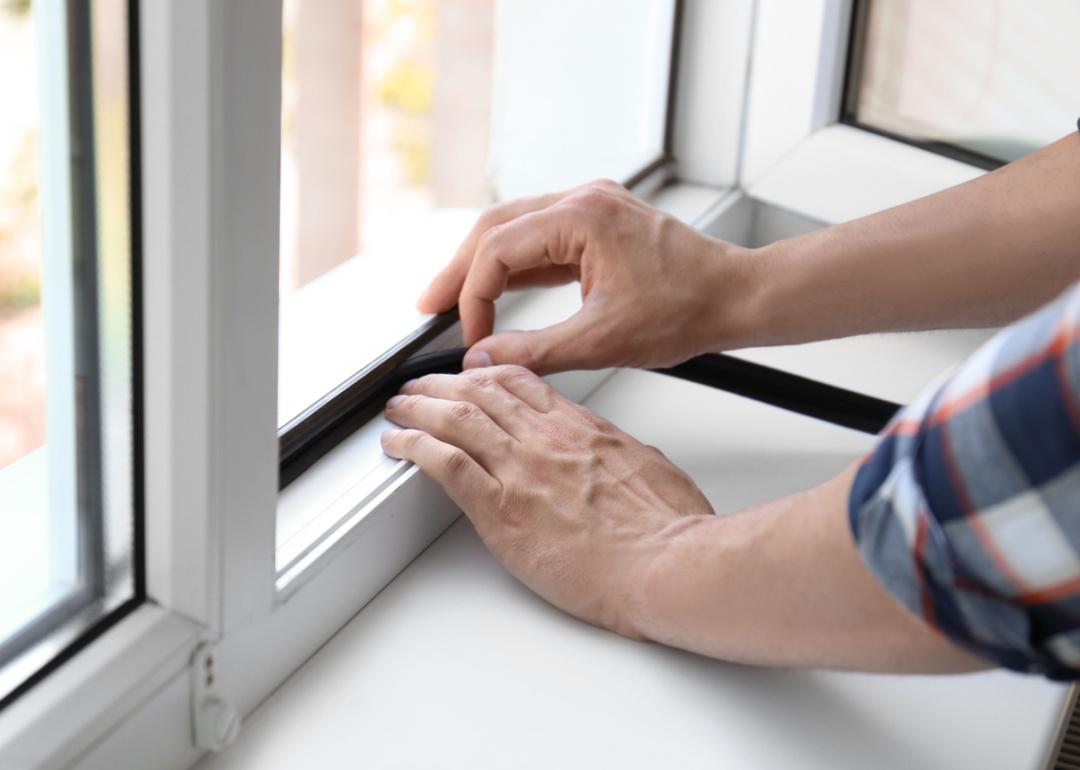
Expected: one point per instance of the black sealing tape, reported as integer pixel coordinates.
(717, 370)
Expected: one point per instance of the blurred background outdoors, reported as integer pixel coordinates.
(371, 138)
(388, 125)
(22, 335)
(386, 114)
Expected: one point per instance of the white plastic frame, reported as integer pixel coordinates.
(210, 103)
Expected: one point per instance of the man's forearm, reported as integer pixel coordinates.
(783, 585)
(981, 253)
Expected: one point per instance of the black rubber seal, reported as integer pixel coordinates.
(791, 392)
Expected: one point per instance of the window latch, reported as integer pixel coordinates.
(215, 720)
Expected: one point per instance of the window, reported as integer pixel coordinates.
(549, 80)
(989, 80)
(401, 120)
(69, 562)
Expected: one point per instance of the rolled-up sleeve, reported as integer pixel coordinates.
(968, 509)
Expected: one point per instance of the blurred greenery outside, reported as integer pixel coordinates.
(407, 88)
(15, 7)
(20, 279)
(22, 336)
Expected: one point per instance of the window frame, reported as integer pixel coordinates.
(321, 426)
(860, 15)
(210, 96)
(56, 633)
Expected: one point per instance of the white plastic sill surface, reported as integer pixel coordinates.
(455, 664)
(842, 173)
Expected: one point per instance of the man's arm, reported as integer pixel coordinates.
(608, 530)
(982, 253)
(656, 292)
(783, 585)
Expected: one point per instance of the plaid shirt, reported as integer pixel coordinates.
(968, 509)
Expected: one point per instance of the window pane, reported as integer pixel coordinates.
(66, 401)
(401, 119)
(997, 78)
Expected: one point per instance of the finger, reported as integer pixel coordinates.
(459, 423)
(442, 293)
(552, 236)
(552, 275)
(481, 387)
(527, 387)
(575, 343)
(468, 484)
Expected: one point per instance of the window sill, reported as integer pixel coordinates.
(842, 173)
(455, 642)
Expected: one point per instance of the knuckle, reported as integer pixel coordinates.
(457, 462)
(477, 379)
(593, 200)
(463, 412)
(491, 216)
(411, 439)
(487, 245)
(656, 451)
(513, 373)
(426, 382)
(409, 403)
(607, 184)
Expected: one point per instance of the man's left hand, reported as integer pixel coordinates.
(571, 505)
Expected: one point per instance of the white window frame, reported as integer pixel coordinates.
(210, 116)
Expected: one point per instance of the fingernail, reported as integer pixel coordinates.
(475, 359)
(393, 402)
(388, 435)
(408, 384)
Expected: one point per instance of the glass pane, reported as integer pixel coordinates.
(66, 401)
(401, 119)
(997, 78)
(22, 330)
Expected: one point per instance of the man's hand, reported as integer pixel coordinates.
(655, 291)
(611, 532)
(572, 506)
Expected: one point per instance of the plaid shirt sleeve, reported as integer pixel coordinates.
(968, 509)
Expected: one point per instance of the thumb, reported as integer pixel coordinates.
(566, 345)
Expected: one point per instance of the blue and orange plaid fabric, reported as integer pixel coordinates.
(968, 509)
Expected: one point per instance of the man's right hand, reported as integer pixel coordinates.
(655, 291)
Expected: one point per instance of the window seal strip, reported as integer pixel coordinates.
(791, 392)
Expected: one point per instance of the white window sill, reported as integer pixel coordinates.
(495, 677)
(842, 173)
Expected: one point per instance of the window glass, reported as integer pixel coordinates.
(401, 119)
(996, 77)
(66, 399)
